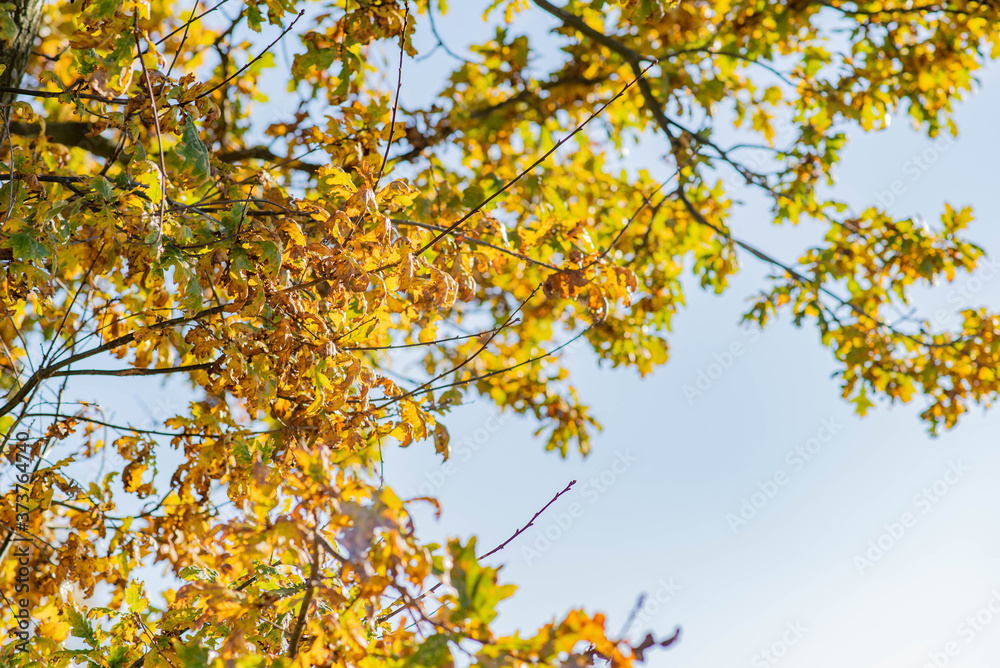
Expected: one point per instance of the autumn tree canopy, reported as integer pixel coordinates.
(144, 234)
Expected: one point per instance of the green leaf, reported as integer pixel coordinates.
(315, 59)
(254, 17)
(8, 28)
(862, 403)
(5, 424)
(116, 659)
(243, 457)
(103, 9)
(473, 196)
(252, 662)
(188, 285)
(140, 152)
(103, 188)
(193, 152)
(231, 219)
(270, 256)
(239, 262)
(478, 591)
(344, 87)
(432, 653)
(26, 247)
(192, 656)
(193, 299)
(81, 626)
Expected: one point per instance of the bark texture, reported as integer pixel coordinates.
(15, 53)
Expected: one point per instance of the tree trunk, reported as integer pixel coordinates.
(14, 54)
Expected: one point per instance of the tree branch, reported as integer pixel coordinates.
(574, 21)
(68, 133)
(133, 371)
(264, 153)
(58, 93)
(50, 370)
(293, 645)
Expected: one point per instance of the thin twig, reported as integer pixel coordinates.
(399, 87)
(45, 372)
(476, 242)
(434, 31)
(632, 615)
(530, 523)
(10, 145)
(244, 68)
(159, 137)
(507, 369)
(428, 343)
(451, 228)
(189, 22)
(491, 552)
(187, 26)
(132, 371)
(471, 357)
(151, 432)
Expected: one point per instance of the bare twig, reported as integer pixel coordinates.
(159, 137)
(476, 242)
(187, 26)
(244, 68)
(48, 371)
(639, 602)
(399, 87)
(491, 552)
(506, 369)
(133, 371)
(530, 523)
(507, 186)
(471, 357)
(188, 23)
(264, 153)
(151, 432)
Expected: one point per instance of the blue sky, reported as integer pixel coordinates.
(877, 546)
(796, 580)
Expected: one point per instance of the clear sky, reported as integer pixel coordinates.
(862, 542)
(794, 580)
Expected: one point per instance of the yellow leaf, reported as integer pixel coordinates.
(147, 173)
